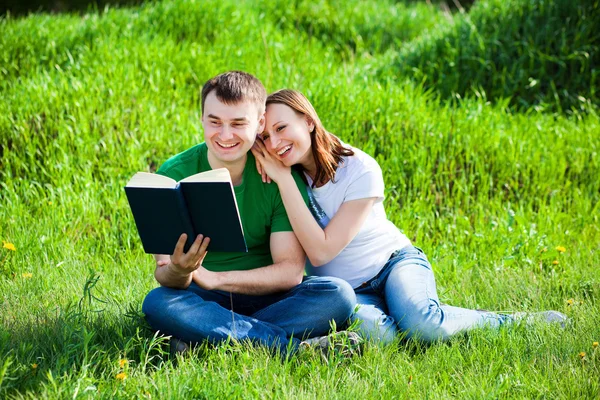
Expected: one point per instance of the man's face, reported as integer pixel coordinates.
(230, 130)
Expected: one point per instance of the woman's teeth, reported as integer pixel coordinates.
(284, 150)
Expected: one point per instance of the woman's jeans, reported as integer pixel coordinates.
(403, 297)
(277, 320)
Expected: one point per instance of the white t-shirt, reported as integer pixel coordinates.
(358, 177)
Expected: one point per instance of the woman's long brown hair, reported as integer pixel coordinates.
(326, 148)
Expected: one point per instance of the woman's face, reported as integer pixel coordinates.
(287, 134)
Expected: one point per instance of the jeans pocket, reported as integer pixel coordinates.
(411, 257)
(419, 250)
(423, 262)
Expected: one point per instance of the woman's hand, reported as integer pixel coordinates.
(269, 165)
(259, 168)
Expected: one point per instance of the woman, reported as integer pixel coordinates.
(345, 231)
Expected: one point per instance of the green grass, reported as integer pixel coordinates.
(543, 54)
(487, 191)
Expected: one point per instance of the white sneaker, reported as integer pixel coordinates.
(549, 317)
(344, 342)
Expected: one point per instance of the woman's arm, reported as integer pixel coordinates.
(322, 245)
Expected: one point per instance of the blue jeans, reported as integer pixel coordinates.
(277, 320)
(403, 297)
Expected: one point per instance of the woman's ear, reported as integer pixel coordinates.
(310, 123)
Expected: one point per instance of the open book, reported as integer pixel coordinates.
(203, 203)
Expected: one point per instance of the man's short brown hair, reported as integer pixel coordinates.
(235, 87)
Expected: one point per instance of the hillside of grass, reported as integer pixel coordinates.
(492, 184)
(538, 54)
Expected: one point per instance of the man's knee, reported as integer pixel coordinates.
(157, 302)
(336, 294)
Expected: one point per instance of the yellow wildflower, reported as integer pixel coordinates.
(27, 275)
(34, 366)
(122, 363)
(582, 354)
(570, 302)
(49, 203)
(595, 344)
(9, 246)
(555, 262)
(121, 376)
(560, 249)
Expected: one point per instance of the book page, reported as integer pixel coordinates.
(148, 180)
(215, 175)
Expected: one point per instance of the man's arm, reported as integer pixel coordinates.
(167, 276)
(176, 271)
(286, 271)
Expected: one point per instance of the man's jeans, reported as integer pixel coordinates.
(278, 320)
(403, 297)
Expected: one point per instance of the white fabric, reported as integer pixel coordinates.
(358, 177)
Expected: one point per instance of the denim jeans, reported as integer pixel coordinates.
(277, 320)
(403, 297)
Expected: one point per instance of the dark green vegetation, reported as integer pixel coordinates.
(542, 54)
(488, 184)
(25, 7)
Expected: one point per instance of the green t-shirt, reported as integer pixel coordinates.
(260, 205)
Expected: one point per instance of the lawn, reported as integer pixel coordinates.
(484, 121)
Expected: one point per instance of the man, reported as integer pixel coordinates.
(261, 295)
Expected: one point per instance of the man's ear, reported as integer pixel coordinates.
(261, 123)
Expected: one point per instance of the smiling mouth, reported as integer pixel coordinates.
(227, 145)
(285, 151)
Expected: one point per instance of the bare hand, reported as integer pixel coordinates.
(269, 165)
(186, 263)
(204, 278)
(261, 171)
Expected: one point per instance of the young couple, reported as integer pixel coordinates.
(329, 209)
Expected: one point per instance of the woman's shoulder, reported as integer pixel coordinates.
(361, 177)
(360, 161)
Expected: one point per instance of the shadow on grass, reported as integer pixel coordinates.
(24, 7)
(76, 343)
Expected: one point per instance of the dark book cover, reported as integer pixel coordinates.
(214, 214)
(200, 204)
(161, 217)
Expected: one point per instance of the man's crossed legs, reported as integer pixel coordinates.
(278, 320)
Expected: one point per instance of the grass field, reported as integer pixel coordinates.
(487, 132)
